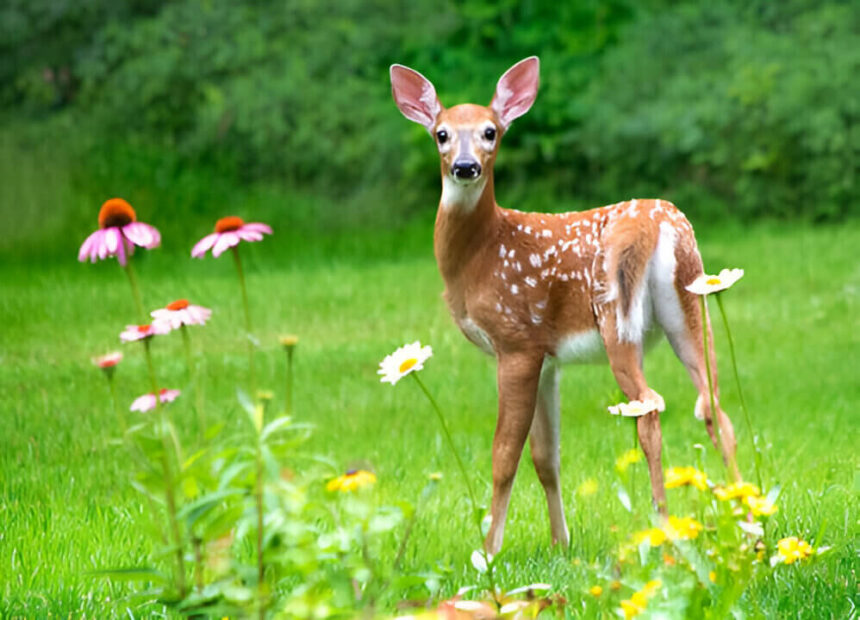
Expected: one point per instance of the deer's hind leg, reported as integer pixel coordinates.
(544, 438)
(624, 316)
(679, 314)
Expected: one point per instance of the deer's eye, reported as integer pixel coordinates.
(490, 133)
(442, 136)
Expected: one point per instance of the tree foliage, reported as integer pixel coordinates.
(748, 107)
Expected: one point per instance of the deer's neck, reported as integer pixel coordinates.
(465, 225)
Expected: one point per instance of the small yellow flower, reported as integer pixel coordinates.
(637, 603)
(289, 340)
(615, 586)
(682, 528)
(436, 475)
(587, 487)
(792, 549)
(408, 358)
(627, 459)
(595, 591)
(712, 577)
(760, 506)
(682, 476)
(705, 284)
(351, 480)
(651, 587)
(736, 490)
(653, 536)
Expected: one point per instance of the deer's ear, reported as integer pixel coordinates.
(415, 96)
(516, 90)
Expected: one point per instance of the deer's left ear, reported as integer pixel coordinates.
(516, 90)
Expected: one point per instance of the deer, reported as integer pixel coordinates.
(537, 290)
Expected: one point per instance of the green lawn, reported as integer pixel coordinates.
(66, 508)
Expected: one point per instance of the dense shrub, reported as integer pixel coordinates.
(745, 107)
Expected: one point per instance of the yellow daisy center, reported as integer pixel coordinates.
(408, 365)
(116, 213)
(226, 224)
(713, 281)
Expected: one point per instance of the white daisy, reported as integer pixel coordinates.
(404, 360)
(637, 408)
(705, 284)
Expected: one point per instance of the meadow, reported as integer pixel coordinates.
(68, 511)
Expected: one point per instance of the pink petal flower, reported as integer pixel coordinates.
(202, 246)
(108, 360)
(139, 332)
(141, 234)
(249, 235)
(225, 242)
(258, 227)
(147, 401)
(180, 313)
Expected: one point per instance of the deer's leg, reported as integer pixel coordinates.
(686, 340)
(518, 376)
(544, 444)
(625, 359)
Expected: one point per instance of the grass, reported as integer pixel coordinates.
(67, 509)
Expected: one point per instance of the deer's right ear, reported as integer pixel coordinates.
(415, 96)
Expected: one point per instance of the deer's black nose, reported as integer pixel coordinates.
(466, 169)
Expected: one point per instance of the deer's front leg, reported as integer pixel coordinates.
(518, 376)
(544, 442)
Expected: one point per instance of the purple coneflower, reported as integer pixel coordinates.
(118, 233)
(139, 332)
(147, 401)
(229, 231)
(180, 312)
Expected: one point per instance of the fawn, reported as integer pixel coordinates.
(539, 289)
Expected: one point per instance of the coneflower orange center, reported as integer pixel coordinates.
(408, 364)
(179, 304)
(143, 328)
(116, 212)
(162, 391)
(226, 224)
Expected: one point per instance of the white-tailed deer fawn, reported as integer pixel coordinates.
(536, 289)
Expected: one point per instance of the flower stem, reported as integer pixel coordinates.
(756, 452)
(169, 491)
(715, 418)
(193, 379)
(258, 493)
(289, 395)
(115, 403)
(135, 292)
(245, 305)
(447, 434)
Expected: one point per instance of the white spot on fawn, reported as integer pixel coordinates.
(531, 281)
(534, 259)
(546, 232)
(502, 251)
(514, 289)
(511, 254)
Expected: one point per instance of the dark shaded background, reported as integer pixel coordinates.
(282, 110)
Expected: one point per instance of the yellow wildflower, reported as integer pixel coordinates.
(653, 536)
(712, 576)
(682, 528)
(289, 340)
(436, 475)
(736, 490)
(595, 591)
(351, 480)
(587, 487)
(682, 476)
(760, 506)
(634, 606)
(791, 549)
(627, 459)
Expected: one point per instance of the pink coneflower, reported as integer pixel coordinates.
(229, 231)
(147, 401)
(139, 332)
(108, 360)
(118, 233)
(180, 312)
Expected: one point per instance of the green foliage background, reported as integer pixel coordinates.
(746, 109)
